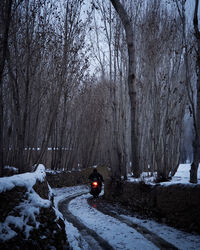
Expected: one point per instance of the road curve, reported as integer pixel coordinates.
(90, 236)
(95, 241)
(101, 205)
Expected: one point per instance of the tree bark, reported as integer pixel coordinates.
(131, 82)
(196, 143)
(5, 36)
(6, 24)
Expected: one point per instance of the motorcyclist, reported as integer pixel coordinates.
(97, 176)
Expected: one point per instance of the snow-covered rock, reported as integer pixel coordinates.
(28, 217)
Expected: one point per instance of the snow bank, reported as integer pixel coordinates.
(11, 169)
(27, 180)
(182, 176)
(26, 211)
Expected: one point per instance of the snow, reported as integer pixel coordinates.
(49, 171)
(28, 179)
(182, 176)
(10, 168)
(74, 237)
(191, 241)
(27, 209)
(118, 234)
(66, 192)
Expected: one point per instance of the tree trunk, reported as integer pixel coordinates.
(131, 82)
(196, 143)
(1, 133)
(6, 24)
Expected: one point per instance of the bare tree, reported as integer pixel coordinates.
(131, 81)
(5, 6)
(73, 67)
(196, 112)
(5, 17)
(160, 90)
(193, 100)
(50, 100)
(19, 75)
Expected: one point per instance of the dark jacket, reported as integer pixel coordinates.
(96, 175)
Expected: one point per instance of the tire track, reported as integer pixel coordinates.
(90, 236)
(154, 238)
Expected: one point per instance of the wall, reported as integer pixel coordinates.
(66, 179)
(28, 219)
(177, 205)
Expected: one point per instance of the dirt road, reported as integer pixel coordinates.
(128, 235)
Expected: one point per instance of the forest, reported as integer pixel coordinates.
(95, 82)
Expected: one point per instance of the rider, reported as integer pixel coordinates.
(96, 175)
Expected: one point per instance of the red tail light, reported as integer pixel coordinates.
(94, 183)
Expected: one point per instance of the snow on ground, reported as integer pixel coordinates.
(63, 193)
(118, 234)
(23, 180)
(182, 176)
(75, 239)
(172, 235)
(10, 168)
(29, 208)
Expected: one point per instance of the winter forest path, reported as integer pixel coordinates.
(110, 210)
(92, 237)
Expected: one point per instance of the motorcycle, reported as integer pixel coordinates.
(95, 188)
